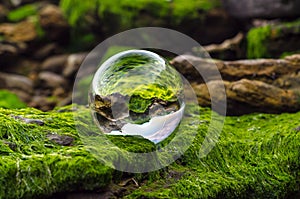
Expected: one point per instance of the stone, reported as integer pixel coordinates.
(73, 63)
(18, 82)
(9, 49)
(63, 140)
(259, 85)
(262, 8)
(246, 96)
(53, 23)
(42, 103)
(29, 120)
(266, 70)
(55, 63)
(185, 65)
(23, 31)
(290, 81)
(51, 80)
(47, 50)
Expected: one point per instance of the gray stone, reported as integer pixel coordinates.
(46, 51)
(73, 63)
(51, 80)
(55, 63)
(53, 22)
(259, 85)
(262, 8)
(18, 82)
(248, 96)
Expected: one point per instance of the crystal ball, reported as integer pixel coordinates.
(138, 93)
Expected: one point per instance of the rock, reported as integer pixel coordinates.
(51, 80)
(18, 82)
(11, 49)
(290, 81)
(47, 50)
(54, 23)
(63, 140)
(23, 31)
(294, 59)
(42, 103)
(262, 8)
(260, 85)
(73, 63)
(55, 63)
(246, 96)
(266, 70)
(29, 120)
(185, 65)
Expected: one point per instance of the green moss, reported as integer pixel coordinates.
(10, 100)
(257, 156)
(22, 12)
(125, 12)
(260, 39)
(138, 104)
(36, 166)
(256, 42)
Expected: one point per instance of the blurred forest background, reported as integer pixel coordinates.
(42, 43)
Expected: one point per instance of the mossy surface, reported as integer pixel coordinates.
(257, 156)
(257, 38)
(261, 39)
(126, 12)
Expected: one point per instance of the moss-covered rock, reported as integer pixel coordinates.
(273, 40)
(257, 156)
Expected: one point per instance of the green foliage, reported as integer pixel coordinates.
(76, 9)
(10, 100)
(256, 42)
(22, 12)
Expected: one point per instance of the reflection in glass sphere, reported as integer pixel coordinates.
(137, 92)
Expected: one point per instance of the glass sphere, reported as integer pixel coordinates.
(137, 92)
